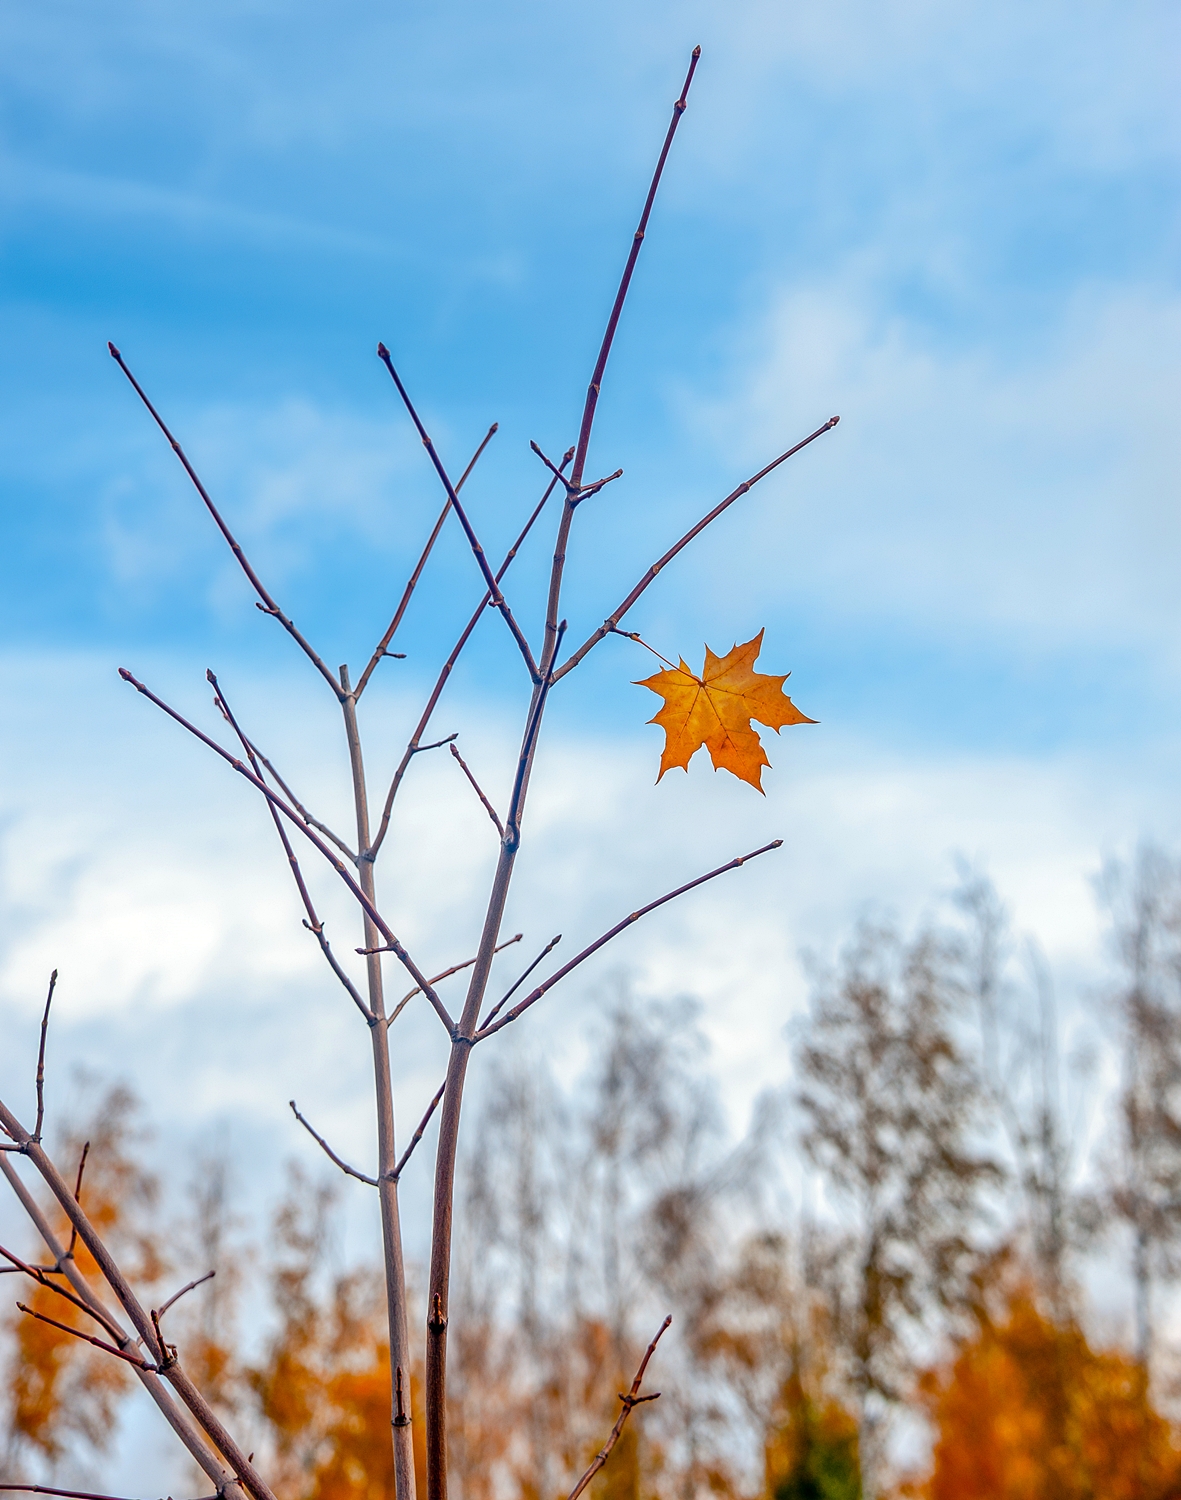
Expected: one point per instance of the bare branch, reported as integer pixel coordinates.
(419, 566)
(535, 995)
(512, 831)
(267, 604)
(132, 1359)
(436, 744)
(78, 1195)
(41, 1059)
(298, 805)
(512, 990)
(488, 808)
(633, 1398)
(45, 1489)
(449, 665)
(575, 493)
(328, 1151)
(312, 922)
(293, 817)
(613, 620)
(417, 1136)
(41, 1276)
(446, 974)
(176, 1296)
(498, 598)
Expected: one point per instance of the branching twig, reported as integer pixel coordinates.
(298, 805)
(488, 808)
(132, 1359)
(176, 1296)
(312, 922)
(498, 598)
(41, 1276)
(41, 1059)
(45, 1489)
(329, 1152)
(575, 493)
(417, 1136)
(267, 604)
(417, 573)
(293, 817)
(78, 1196)
(633, 1398)
(448, 666)
(446, 974)
(535, 995)
(613, 620)
(513, 988)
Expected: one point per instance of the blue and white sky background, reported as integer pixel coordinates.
(955, 224)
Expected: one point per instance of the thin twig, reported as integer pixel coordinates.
(633, 1398)
(488, 808)
(41, 1059)
(45, 1489)
(498, 598)
(267, 605)
(176, 1296)
(328, 1151)
(417, 1136)
(575, 494)
(613, 620)
(512, 826)
(132, 1359)
(417, 573)
(312, 922)
(436, 744)
(293, 817)
(299, 807)
(449, 664)
(535, 995)
(41, 1276)
(513, 988)
(78, 1196)
(446, 974)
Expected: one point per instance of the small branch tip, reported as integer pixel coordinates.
(112, 351)
(382, 351)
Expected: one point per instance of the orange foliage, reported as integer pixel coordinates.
(1029, 1411)
(716, 708)
(59, 1388)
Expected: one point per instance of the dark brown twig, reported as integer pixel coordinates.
(132, 1359)
(513, 988)
(329, 1152)
(312, 921)
(418, 1134)
(45, 1489)
(575, 494)
(488, 808)
(293, 817)
(633, 1398)
(176, 1296)
(41, 1276)
(417, 573)
(41, 1059)
(448, 666)
(535, 995)
(78, 1196)
(446, 974)
(267, 604)
(613, 620)
(498, 598)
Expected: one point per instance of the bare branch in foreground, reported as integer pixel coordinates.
(613, 620)
(449, 664)
(417, 1136)
(293, 817)
(78, 1196)
(132, 1359)
(633, 1398)
(535, 995)
(446, 974)
(41, 1059)
(298, 805)
(329, 1152)
(488, 808)
(176, 1296)
(498, 598)
(267, 604)
(45, 1489)
(412, 584)
(41, 1275)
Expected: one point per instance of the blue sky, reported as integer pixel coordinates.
(954, 224)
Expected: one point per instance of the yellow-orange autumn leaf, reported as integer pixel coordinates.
(716, 709)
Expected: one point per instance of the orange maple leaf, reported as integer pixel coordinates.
(716, 708)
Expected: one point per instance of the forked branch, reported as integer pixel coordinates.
(535, 995)
(632, 1399)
